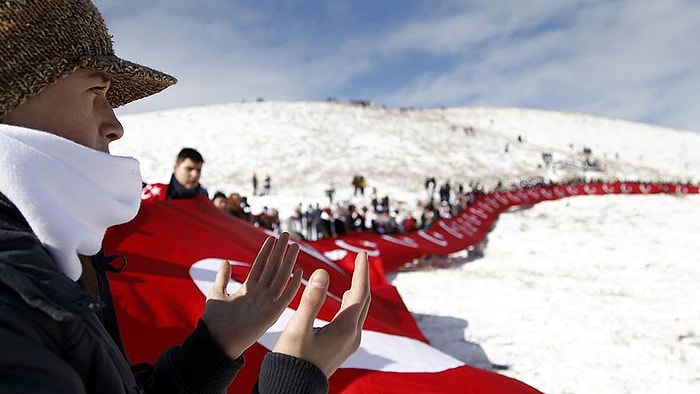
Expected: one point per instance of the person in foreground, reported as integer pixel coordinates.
(61, 189)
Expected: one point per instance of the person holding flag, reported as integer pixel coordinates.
(59, 83)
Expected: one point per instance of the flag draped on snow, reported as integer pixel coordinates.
(470, 227)
(174, 248)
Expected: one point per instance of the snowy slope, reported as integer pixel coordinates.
(588, 294)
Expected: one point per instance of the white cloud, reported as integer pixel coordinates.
(611, 59)
(617, 59)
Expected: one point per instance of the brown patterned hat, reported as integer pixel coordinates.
(42, 41)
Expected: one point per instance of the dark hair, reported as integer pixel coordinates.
(219, 194)
(189, 153)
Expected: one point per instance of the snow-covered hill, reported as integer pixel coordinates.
(587, 294)
(304, 146)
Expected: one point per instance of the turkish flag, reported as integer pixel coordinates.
(174, 248)
(389, 252)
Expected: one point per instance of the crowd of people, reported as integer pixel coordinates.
(354, 213)
(357, 213)
(378, 214)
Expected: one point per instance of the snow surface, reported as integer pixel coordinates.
(586, 294)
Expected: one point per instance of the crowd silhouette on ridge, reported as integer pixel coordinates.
(356, 213)
(378, 213)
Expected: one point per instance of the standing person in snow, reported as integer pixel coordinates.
(267, 184)
(255, 184)
(59, 80)
(362, 184)
(330, 192)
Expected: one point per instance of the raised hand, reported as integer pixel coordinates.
(237, 320)
(328, 347)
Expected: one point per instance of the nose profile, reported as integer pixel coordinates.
(110, 127)
(115, 130)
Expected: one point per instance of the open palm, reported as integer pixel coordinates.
(237, 320)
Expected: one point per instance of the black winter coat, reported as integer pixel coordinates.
(52, 340)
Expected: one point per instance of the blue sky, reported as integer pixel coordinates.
(634, 60)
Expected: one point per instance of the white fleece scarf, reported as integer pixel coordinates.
(69, 194)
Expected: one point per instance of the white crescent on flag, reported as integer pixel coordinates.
(378, 351)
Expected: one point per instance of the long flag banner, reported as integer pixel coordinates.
(470, 227)
(174, 248)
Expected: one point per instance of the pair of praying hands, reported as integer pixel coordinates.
(238, 320)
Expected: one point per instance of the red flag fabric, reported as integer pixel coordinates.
(471, 226)
(174, 248)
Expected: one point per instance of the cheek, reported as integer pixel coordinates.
(76, 119)
(31, 114)
(63, 123)
(181, 175)
(79, 129)
(73, 120)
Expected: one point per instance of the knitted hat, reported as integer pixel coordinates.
(42, 41)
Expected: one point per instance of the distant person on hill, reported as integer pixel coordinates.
(239, 206)
(255, 184)
(296, 222)
(59, 82)
(267, 185)
(445, 191)
(409, 224)
(330, 192)
(308, 219)
(221, 201)
(316, 221)
(499, 186)
(356, 219)
(184, 182)
(358, 183)
(430, 184)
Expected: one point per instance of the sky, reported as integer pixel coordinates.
(588, 294)
(622, 59)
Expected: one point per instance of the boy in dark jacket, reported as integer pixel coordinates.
(59, 191)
